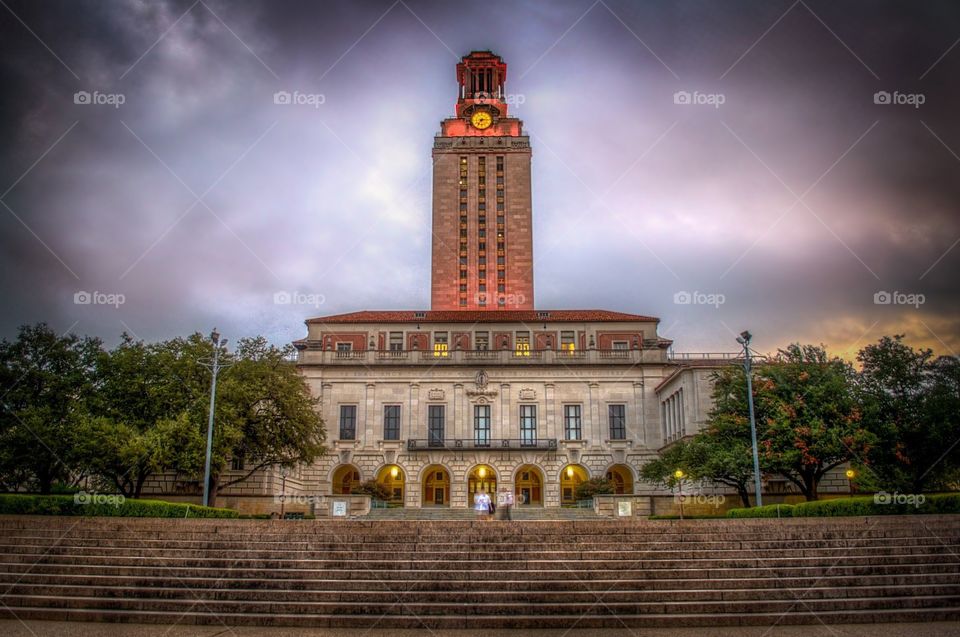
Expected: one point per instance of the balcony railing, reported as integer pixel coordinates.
(313, 353)
(493, 444)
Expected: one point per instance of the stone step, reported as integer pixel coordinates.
(494, 584)
(513, 622)
(388, 607)
(492, 595)
(467, 552)
(452, 572)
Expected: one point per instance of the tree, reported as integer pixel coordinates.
(660, 470)
(264, 415)
(374, 489)
(910, 400)
(48, 383)
(594, 486)
(813, 422)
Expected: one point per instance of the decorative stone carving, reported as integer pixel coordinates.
(436, 394)
(528, 394)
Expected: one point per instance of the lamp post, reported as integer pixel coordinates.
(744, 339)
(283, 490)
(678, 474)
(215, 367)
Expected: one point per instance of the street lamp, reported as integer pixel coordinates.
(678, 474)
(215, 367)
(744, 339)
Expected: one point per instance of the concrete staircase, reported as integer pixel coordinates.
(481, 575)
(517, 513)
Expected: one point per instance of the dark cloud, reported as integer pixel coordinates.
(636, 198)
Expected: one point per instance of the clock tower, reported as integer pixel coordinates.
(482, 255)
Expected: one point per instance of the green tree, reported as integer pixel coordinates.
(47, 384)
(911, 400)
(264, 415)
(660, 470)
(594, 486)
(812, 421)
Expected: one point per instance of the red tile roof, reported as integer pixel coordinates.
(488, 316)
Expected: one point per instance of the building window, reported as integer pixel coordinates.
(237, 464)
(523, 344)
(572, 429)
(481, 425)
(618, 421)
(391, 422)
(568, 341)
(396, 341)
(621, 345)
(483, 340)
(528, 425)
(348, 422)
(344, 347)
(440, 345)
(435, 425)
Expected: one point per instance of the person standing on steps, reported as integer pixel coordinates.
(481, 504)
(506, 503)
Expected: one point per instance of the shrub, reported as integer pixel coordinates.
(860, 505)
(374, 489)
(594, 486)
(69, 505)
(766, 511)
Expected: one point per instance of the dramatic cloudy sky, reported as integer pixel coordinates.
(794, 201)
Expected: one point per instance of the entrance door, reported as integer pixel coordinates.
(438, 495)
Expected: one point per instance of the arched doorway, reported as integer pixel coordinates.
(528, 486)
(571, 476)
(436, 486)
(622, 479)
(482, 479)
(345, 478)
(392, 477)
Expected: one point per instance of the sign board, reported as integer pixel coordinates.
(340, 508)
(625, 508)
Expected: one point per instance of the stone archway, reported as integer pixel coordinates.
(528, 485)
(571, 476)
(482, 478)
(622, 478)
(435, 486)
(345, 478)
(393, 478)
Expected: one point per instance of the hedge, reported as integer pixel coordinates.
(895, 504)
(766, 511)
(105, 506)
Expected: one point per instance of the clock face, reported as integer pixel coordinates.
(481, 119)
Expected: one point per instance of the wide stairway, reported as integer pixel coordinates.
(481, 575)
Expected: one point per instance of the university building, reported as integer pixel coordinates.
(483, 391)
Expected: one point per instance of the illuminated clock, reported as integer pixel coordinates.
(481, 119)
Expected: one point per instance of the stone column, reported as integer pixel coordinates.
(459, 412)
(413, 412)
(551, 415)
(370, 416)
(638, 409)
(505, 409)
(596, 428)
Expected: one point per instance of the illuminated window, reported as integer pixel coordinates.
(523, 344)
(567, 341)
(440, 345)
